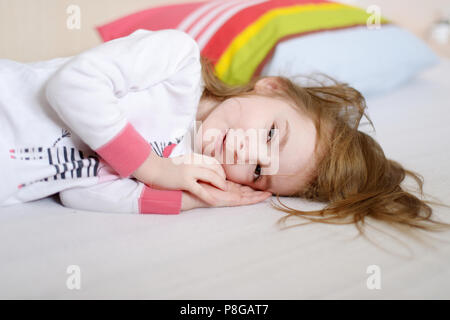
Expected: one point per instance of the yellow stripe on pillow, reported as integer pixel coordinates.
(244, 54)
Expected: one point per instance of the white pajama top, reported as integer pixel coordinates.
(81, 125)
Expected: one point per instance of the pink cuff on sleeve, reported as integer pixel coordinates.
(126, 151)
(159, 201)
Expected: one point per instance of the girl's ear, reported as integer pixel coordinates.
(268, 84)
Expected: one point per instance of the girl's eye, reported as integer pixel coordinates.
(257, 173)
(271, 133)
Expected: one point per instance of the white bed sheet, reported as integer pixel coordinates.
(238, 253)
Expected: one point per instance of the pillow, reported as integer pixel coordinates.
(247, 38)
(371, 61)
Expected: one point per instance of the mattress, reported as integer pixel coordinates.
(240, 252)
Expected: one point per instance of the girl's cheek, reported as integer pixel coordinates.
(236, 173)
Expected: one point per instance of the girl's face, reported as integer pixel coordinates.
(261, 142)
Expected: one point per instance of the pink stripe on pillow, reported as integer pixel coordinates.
(164, 17)
(159, 201)
(193, 17)
(126, 151)
(214, 10)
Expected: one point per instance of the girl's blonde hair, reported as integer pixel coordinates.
(352, 174)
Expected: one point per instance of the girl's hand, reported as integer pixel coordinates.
(236, 195)
(183, 173)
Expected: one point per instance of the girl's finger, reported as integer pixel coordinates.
(215, 165)
(247, 190)
(204, 195)
(218, 169)
(210, 176)
(257, 195)
(255, 198)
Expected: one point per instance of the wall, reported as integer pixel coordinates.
(32, 30)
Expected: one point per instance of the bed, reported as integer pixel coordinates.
(241, 253)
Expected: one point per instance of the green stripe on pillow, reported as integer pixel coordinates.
(240, 60)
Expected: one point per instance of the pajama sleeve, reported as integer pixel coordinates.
(85, 91)
(122, 196)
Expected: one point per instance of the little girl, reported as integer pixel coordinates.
(111, 130)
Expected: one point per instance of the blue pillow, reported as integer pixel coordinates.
(372, 61)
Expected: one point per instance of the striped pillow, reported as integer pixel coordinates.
(240, 36)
